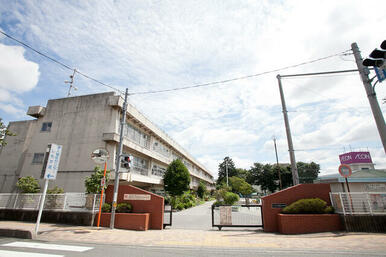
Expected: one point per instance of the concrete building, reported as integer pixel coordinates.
(81, 125)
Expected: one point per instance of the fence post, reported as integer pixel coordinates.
(212, 215)
(93, 205)
(64, 201)
(14, 205)
(40, 198)
(341, 202)
(369, 202)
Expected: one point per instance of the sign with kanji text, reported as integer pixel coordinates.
(53, 162)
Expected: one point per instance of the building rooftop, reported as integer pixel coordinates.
(373, 175)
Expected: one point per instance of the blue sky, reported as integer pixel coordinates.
(155, 45)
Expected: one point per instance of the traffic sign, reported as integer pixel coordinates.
(100, 156)
(53, 162)
(345, 170)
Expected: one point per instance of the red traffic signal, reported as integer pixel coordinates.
(126, 161)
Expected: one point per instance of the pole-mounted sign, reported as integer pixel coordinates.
(50, 170)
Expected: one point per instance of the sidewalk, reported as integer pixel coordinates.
(210, 238)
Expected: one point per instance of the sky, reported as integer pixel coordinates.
(157, 45)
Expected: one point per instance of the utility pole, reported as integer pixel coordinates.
(277, 163)
(118, 161)
(294, 169)
(371, 95)
(71, 83)
(226, 169)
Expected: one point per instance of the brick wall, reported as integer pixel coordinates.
(154, 206)
(288, 196)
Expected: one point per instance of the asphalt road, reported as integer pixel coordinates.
(10, 247)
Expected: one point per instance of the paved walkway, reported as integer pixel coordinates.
(199, 238)
(199, 217)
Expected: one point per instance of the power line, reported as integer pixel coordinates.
(61, 63)
(237, 78)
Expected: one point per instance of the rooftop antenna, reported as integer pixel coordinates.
(71, 83)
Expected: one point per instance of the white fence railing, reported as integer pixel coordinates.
(373, 203)
(65, 202)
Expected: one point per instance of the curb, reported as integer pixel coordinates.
(18, 233)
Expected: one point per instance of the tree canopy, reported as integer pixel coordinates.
(222, 170)
(176, 178)
(240, 186)
(266, 175)
(4, 132)
(93, 183)
(28, 185)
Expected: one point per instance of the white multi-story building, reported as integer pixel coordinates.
(81, 125)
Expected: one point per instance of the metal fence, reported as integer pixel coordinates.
(237, 216)
(65, 202)
(359, 203)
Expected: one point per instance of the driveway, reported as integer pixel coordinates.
(198, 217)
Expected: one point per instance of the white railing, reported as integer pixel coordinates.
(373, 203)
(64, 202)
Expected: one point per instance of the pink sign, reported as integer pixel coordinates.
(355, 157)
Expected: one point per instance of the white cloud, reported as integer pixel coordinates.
(148, 46)
(16, 73)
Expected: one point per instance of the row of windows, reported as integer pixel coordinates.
(161, 148)
(136, 135)
(158, 170)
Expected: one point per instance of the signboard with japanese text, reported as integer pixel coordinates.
(138, 197)
(355, 157)
(53, 162)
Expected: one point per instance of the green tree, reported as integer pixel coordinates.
(93, 183)
(28, 185)
(308, 172)
(242, 173)
(264, 176)
(239, 185)
(222, 170)
(176, 178)
(201, 190)
(4, 132)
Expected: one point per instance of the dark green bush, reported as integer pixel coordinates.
(311, 205)
(124, 208)
(106, 207)
(230, 198)
(329, 210)
(218, 203)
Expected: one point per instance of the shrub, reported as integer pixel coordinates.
(55, 190)
(218, 203)
(106, 207)
(230, 198)
(311, 205)
(329, 210)
(176, 178)
(28, 185)
(201, 190)
(180, 206)
(123, 208)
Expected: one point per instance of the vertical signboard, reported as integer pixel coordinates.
(53, 162)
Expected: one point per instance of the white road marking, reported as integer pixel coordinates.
(25, 254)
(72, 248)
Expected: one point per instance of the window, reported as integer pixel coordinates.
(46, 126)
(158, 170)
(38, 158)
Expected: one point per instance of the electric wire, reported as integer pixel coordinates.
(61, 63)
(177, 88)
(238, 78)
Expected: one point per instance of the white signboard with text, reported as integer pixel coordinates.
(53, 162)
(140, 197)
